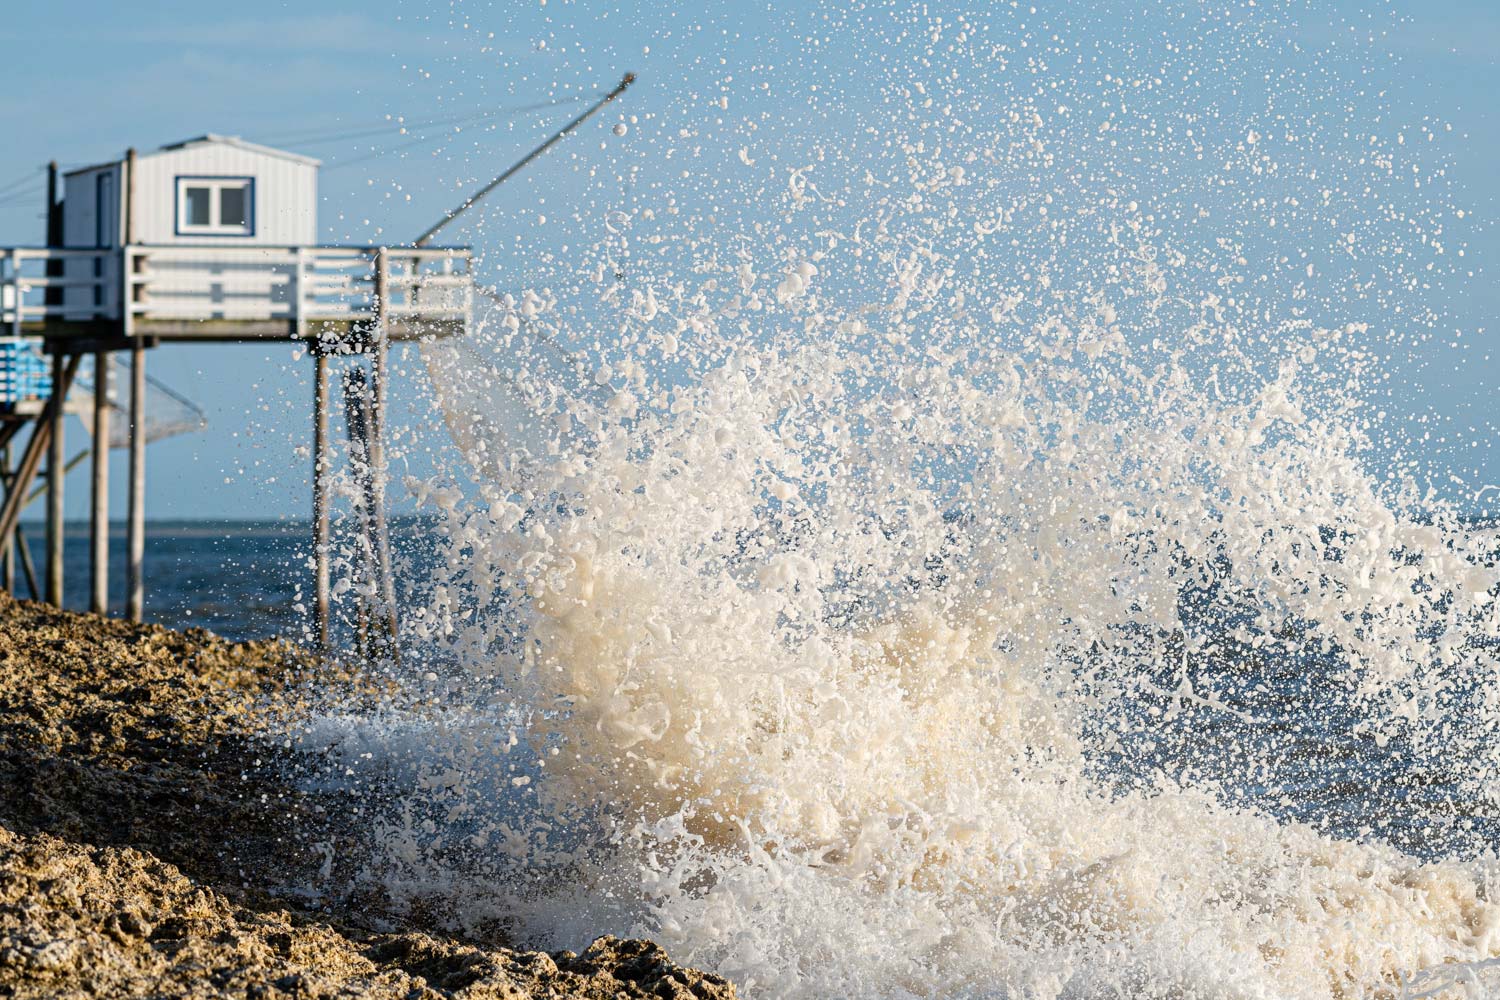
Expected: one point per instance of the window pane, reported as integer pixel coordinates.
(232, 207)
(195, 200)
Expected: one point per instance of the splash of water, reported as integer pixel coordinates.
(936, 594)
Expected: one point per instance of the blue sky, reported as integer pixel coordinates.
(81, 82)
(86, 81)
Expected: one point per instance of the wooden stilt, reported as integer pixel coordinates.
(8, 552)
(135, 542)
(15, 495)
(53, 296)
(99, 520)
(320, 495)
(31, 460)
(379, 379)
(357, 423)
(27, 566)
(56, 472)
(8, 558)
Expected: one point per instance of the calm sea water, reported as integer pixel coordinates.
(242, 579)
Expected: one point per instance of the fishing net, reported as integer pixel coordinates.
(167, 413)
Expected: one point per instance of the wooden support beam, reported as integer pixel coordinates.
(86, 344)
(54, 268)
(54, 211)
(99, 520)
(127, 205)
(320, 496)
(474, 198)
(27, 565)
(20, 481)
(135, 529)
(379, 379)
(357, 424)
(7, 558)
(135, 534)
(56, 472)
(31, 461)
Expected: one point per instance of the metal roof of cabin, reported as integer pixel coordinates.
(209, 138)
(237, 142)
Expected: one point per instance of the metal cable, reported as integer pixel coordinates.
(24, 178)
(316, 136)
(23, 195)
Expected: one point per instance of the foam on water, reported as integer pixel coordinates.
(910, 601)
(830, 738)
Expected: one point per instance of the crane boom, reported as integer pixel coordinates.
(474, 198)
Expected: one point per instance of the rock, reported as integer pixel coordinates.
(136, 859)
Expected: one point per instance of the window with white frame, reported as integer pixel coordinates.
(215, 206)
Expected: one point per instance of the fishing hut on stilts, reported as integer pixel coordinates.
(211, 240)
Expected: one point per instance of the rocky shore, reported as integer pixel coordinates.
(151, 844)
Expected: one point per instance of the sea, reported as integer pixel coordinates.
(241, 579)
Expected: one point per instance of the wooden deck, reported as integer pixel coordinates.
(217, 293)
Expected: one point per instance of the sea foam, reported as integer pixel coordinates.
(930, 589)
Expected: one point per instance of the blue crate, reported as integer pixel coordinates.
(24, 372)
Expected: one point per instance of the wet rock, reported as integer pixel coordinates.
(138, 857)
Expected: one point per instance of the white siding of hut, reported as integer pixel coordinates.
(81, 226)
(215, 276)
(284, 201)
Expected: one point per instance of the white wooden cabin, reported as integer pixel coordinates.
(215, 238)
(214, 190)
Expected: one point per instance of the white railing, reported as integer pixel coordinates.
(298, 286)
(38, 283)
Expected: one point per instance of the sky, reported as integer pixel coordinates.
(121, 75)
(81, 82)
